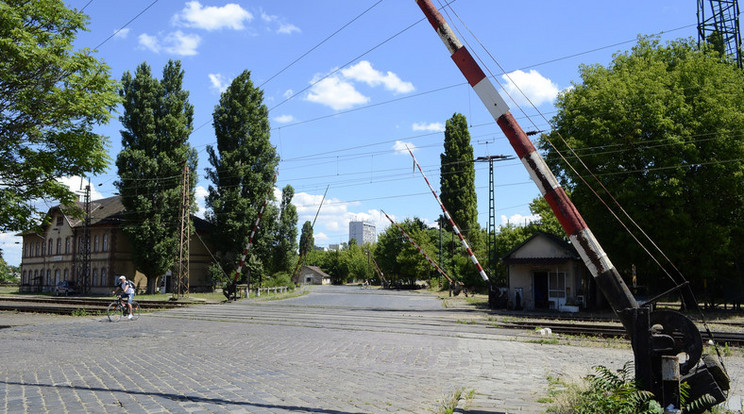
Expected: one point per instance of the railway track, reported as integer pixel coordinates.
(590, 327)
(71, 305)
(606, 330)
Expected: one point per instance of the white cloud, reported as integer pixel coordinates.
(519, 220)
(149, 42)
(336, 93)
(287, 28)
(200, 192)
(288, 94)
(536, 87)
(401, 147)
(122, 33)
(363, 72)
(283, 119)
(177, 43)
(229, 16)
(11, 248)
(283, 27)
(77, 185)
(181, 43)
(431, 127)
(218, 82)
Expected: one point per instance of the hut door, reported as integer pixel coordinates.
(541, 290)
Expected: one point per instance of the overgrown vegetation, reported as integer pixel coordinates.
(609, 391)
(448, 404)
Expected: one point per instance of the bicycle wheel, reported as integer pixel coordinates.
(114, 312)
(135, 311)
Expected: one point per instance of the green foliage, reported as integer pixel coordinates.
(457, 176)
(285, 246)
(157, 121)
(8, 273)
(399, 259)
(604, 392)
(659, 127)
(52, 99)
(307, 241)
(243, 168)
(278, 279)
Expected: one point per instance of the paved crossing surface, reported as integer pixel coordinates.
(335, 350)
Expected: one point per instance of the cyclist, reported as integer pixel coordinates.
(127, 291)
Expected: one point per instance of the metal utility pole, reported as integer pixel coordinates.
(84, 246)
(181, 287)
(718, 24)
(492, 260)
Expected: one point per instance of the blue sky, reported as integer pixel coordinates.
(351, 84)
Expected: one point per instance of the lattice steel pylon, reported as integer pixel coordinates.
(718, 24)
(181, 281)
(492, 259)
(84, 246)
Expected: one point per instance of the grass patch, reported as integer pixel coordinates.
(543, 341)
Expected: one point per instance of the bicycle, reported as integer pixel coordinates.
(118, 309)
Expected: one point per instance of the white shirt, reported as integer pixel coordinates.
(125, 288)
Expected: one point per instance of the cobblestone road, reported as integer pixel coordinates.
(335, 350)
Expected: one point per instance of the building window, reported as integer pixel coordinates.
(59, 220)
(24, 281)
(56, 276)
(36, 276)
(67, 245)
(67, 274)
(36, 253)
(59, 245)
(103, 277)
(95, 243)
(557, 284)
(49, 247)
(49, 276)
(105, 242)
(95, 277)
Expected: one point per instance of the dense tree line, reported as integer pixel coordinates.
(660, 127)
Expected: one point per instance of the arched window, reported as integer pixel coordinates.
(37, 249)
(59, 245)
(36, 276)
(49, 248)
(96, 282)
(67, 245)
(56, 276)
(49, 276)
(67, 274)
(103, 277)
(105, 242)
(95, 243)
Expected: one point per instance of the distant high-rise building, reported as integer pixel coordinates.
(362, 232)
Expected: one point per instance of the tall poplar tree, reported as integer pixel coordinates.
(285, 249)
(307, 241)
(243, 168)
(457, 175)
(157, 122)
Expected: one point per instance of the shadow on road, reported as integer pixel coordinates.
(187, 398)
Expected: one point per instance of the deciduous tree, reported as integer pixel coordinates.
(52, 98)
(157, 121)
(242, 173)
(660, 127)
(457, 176)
